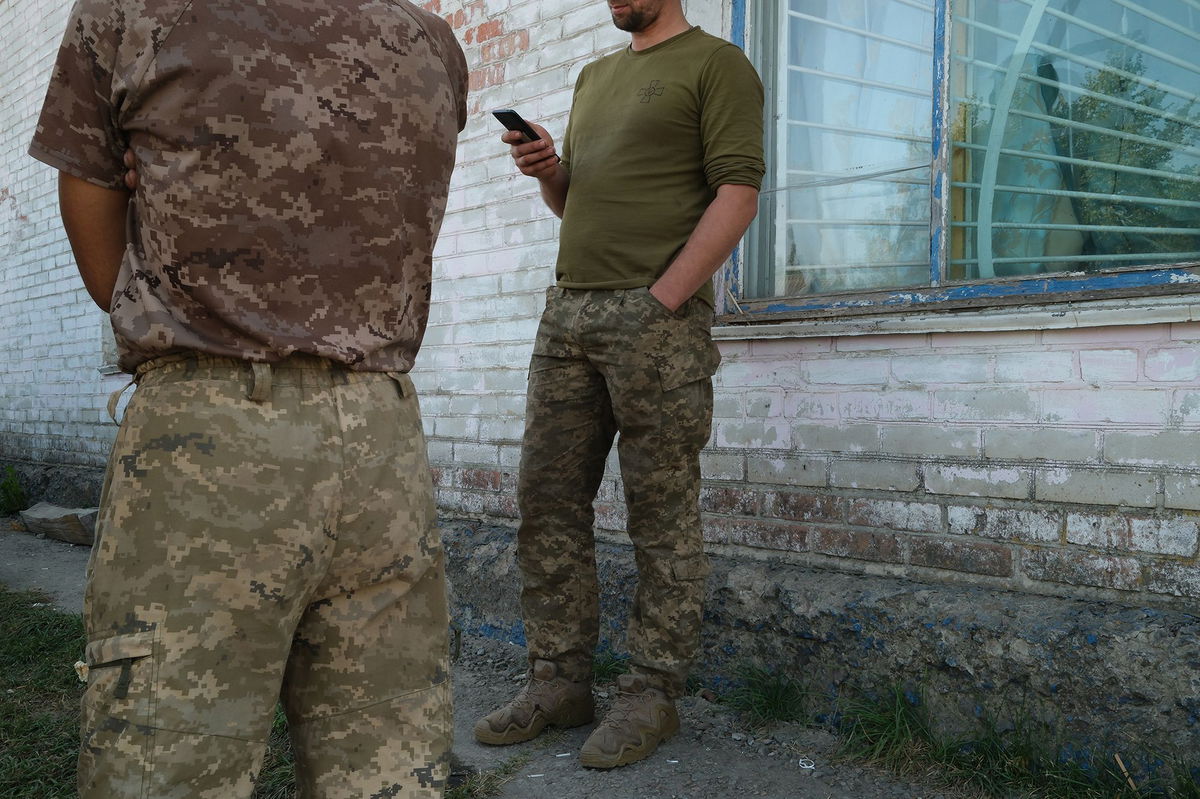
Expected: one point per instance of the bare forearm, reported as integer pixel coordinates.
(718, 232)
(554, 191)
(94, 219)
(538, 159)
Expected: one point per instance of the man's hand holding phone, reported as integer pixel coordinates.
(533, 152)
(537, 159)
(531, 146)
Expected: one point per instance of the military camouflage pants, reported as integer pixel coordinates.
(606, 362)
(266, 533)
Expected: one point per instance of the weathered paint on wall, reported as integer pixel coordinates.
(942, 456)
(1056, 461)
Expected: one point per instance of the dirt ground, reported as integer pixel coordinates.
(714, 756)
(28, 562)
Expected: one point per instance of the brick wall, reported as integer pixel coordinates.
(1055, 460)
(1061, 461)
(1058, 459)
(51, 389)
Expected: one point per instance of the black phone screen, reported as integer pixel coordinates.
(514, 121)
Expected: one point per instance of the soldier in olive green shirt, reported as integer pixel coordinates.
(658, 181)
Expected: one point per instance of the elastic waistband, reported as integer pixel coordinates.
(297, 369)
(194, 360)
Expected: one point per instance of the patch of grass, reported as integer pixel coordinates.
(489, 783)
(763, 697)
(1186, 781)
(892, 730)
(39, 697)
(1022, 759)
(277, 780)
(608, 664)
(12, 496)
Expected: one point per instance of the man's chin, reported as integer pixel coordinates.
(627, 23)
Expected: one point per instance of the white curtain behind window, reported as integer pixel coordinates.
(852, 179)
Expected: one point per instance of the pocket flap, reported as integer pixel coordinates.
(691, 568)
(120, 647)
(679, 372)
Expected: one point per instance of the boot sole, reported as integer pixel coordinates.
(631, 754)
(515, 735)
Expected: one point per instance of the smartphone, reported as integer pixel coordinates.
(514, 121)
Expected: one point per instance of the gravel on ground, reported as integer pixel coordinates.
(714, 756)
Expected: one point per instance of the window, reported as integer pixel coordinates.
(926, 150)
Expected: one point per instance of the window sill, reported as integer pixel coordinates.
(1130, 311)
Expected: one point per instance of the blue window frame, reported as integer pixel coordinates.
(943, 153)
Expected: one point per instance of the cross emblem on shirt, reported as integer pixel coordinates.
(651, 91)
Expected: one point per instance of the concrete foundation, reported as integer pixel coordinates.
(67, 486)
(1104, 678)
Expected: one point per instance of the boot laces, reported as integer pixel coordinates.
(624, 708)
(533, 690)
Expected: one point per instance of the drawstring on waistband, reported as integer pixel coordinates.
(403, 383)
(260, 391)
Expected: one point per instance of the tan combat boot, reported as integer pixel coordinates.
(641, 718)
(547, 699)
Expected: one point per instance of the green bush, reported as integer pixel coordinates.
(12, 496)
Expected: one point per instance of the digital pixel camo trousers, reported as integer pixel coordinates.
(609, 361)
(266, 532)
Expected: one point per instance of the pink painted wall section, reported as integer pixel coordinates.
(1054, 460)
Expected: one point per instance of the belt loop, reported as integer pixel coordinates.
(115, 397)
(261, 390)
(403, 383)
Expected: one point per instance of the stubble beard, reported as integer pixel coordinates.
(636, 21)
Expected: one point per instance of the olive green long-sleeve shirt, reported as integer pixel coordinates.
(652, 135)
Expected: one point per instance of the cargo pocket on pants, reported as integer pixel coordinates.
(117, 710)
(696, 568)
(112, 663)
(687, 367)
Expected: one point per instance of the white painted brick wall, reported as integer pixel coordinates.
(1045, 457)
(51, 392)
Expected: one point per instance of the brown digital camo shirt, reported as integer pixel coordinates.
(293, 160)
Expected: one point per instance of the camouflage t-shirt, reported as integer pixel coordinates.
(293, 159)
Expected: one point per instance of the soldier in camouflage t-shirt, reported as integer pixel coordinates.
(267, 522)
